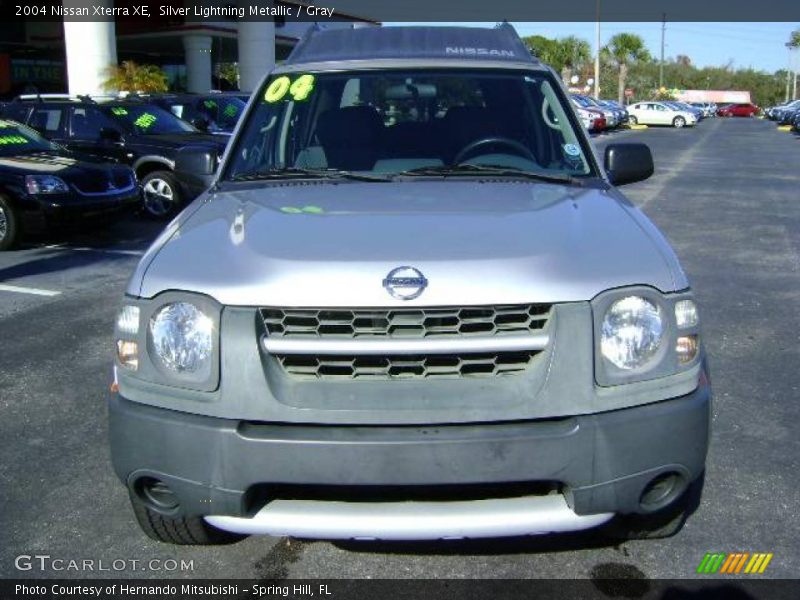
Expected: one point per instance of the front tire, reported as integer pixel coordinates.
(632, 120)
(162, 195)
(9, 225)
(678, 122)
(184, 531)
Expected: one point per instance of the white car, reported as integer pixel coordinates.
(658, 113)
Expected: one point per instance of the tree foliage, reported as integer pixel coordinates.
(565, 55)
(622, 50)
(642, 73)
(132, 77)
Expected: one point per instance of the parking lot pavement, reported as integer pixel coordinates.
(726, 194)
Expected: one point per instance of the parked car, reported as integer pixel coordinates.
(390, 324)
(621, 113)
(697, 112)
(776, 113)
(137, 133)
(743, 109)
(788, 113)
(591, 103)
(43, 186)
(593, 119)
(660, 113)
(705, 107)
(215, 113)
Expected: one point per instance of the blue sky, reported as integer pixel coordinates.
(757, 45)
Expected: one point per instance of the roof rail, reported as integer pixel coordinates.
(41, 97)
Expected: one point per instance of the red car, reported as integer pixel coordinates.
(738, 110)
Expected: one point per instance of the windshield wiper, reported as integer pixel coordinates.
(497, 170)
(300, 173)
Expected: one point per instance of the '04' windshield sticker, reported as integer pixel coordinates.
(298, 90)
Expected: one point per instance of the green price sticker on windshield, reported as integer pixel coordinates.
(119, 111)
(209, 103)
(145, 120)
(298, 90)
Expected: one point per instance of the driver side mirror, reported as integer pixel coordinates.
(195, 167)
(200, 123)
(628, 163)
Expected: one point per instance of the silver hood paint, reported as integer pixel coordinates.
(492, 242)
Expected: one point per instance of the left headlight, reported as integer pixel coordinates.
(45, 184)
(631, 332)
(182, 338)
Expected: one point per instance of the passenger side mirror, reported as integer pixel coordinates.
(628, 163)
(195, 167)
(200, 123)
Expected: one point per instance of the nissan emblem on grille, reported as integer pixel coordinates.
(405, 283)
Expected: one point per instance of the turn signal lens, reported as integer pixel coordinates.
(686, 314)
(128, 320)
(128, 354)
(686, 348)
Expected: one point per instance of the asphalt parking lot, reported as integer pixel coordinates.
(726, 194)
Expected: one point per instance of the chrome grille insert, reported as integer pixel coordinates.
(405, 323)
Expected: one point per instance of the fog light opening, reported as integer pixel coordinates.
(661, 490)
(156, 494)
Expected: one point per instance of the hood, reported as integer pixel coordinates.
(332, 244)
(68, 166)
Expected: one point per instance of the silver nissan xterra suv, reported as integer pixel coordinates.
(411, 305)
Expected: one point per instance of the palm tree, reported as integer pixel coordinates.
(131, 77)
(574, 52)
(624, 49)
(794, 40)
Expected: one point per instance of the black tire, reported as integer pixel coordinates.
(632, 120)
(9, 225)
(662, 524)
(161, 193)
(184, 531)
(678, 122)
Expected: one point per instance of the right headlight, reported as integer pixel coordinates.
(632, 332)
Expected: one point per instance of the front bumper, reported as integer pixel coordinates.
(229, 471)
(43, 212)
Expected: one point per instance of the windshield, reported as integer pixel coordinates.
(18, 139)
(146, 119)
(391, 122)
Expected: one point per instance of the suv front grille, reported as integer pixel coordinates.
(405, 366)
(405, 322)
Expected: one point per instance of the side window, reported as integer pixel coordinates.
(86, 123)
(47, 120)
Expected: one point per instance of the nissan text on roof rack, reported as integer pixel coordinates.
(412, 304)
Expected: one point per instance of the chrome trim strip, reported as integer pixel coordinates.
(529, 515)
(448, 345)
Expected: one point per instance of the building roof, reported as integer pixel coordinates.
(500, 43)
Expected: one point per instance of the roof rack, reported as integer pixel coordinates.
(500, 43)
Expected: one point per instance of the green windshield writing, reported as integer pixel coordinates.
(145, 120)
(298, 90)
(13, 140)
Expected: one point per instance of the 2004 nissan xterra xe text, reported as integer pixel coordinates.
(411, 305)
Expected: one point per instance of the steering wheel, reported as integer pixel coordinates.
(514, 145)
